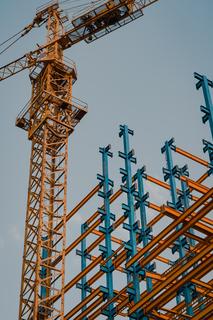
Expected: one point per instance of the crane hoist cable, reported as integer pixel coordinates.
(23, 32)
(10, 38)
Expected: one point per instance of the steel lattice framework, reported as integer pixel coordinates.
(140, 258)
(164, 256)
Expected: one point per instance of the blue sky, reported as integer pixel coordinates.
(141, 75)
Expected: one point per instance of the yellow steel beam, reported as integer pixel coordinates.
(173, 225)
(147, 303)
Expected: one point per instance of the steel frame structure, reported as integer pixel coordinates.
(165, 274)
(148, 260)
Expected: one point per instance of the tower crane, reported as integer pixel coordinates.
(49, 118)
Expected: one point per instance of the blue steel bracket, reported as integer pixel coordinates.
(126, 190)
(140, 200)
(142, 172)
(101, 178)
(200, 78)
(108, 313)
(105, 292)
(208, 108)
(191, 287)
(131, 292)
(85, 254)
(135, 227)
(105, 195)
(128, 247)
(131, 132)
(86, 287)
(139, 315)
(129, 156)
(126, 209)
(106, 230)
(107, 269)
(174, 172)
(147, 232)
(206, 115)
(103, 249)
(184, 171)
(180, 243)
(178, 205)
(151, 267)
(137, 269)
(124, 174)
(208, 147)
(106, 150)
(102, 212)
(171, 144)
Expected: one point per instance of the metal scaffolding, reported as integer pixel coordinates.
(148, 260)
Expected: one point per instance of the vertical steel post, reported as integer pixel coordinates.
(107, 185)
(170, 173)
(134, 272)
(207, 110)
(141, 203)
(83, 286)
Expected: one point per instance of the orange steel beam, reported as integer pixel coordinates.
(193, 236)
(173, 236)
(89, 309)
(174, 224)
(199, 226)
(204, 267)
(112, 199)
(96, 214)
(83, 303)
(116, 224)
(121, 258)
(80, 205)
(152, 275)
(114, 239)
(185, 316)
(203, 285)
(192, 157)
(172, 276)
(159, 316)
(178, 308)
(122, 305)
(205, 312)
(104, 306)
(203, 177)
(195, 185)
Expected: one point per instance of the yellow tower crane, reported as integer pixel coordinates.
(49, 118)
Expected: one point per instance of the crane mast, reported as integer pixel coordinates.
(49, 119)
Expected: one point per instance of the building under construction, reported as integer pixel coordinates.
(138, 259)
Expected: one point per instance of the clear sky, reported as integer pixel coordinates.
(141, 75)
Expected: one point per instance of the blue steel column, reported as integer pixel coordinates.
(107, 216)
(207, 110)
(134, 272)
(84, 256)
(185, 197)
(170, 173)
(141, 203)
